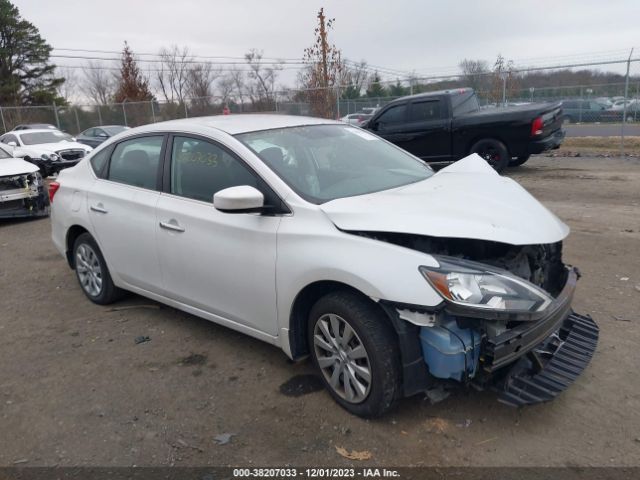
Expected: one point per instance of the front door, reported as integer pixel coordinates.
(222, 263)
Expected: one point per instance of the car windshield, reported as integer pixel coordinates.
(325, 162)
(114, 130)
(36, 138)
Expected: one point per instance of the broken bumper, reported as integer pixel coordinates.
(24, 203)
(529, 363)
(550, 368)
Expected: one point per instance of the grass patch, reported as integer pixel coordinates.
(610, 145)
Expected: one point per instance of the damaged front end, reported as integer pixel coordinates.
(23, 195)
(505, 322)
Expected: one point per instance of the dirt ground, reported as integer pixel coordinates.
(75, 389)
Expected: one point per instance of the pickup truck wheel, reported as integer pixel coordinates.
(494, 152)
(356, 353)
(92, 272)
(516, 162)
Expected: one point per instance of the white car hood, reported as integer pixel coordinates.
(467, 199)
(55, 147)
(15, 166)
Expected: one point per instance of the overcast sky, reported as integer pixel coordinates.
(409, 35)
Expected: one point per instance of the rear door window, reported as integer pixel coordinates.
(135, 162)
(426, 111)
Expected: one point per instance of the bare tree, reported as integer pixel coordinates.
(504, 81)
(200, 80)
(356, 78)
(173, 73)
(69, 88)
(475, 74)
(98, 84)
(263, 79)
(226, 87)
(238, 78)
(325, 71)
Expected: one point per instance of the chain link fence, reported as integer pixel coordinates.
(587, 103)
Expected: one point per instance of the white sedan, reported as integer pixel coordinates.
(325, 240)
(49, 149)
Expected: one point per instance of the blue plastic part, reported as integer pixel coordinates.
(448, 350)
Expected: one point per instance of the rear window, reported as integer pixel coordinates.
(464, 103)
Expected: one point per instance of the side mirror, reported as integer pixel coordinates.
(12, 144)
(103, 135)
(241, 199)
(73, 139)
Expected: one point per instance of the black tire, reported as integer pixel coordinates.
(493, 151)
(516, 162)
(107, 292)
(375, 334)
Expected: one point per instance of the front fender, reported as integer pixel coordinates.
(309, 252)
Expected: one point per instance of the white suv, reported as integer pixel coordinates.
(325, 240)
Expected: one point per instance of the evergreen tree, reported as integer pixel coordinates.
(133, 86)
(26, 76)
(375, 88)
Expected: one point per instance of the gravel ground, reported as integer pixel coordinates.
(75, 389)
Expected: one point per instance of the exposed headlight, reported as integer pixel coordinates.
(478, 286)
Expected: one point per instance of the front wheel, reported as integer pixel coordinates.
(494, 152)
(92, 272)
(356, 352)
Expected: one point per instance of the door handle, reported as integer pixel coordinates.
(171, 225)
(98, 208)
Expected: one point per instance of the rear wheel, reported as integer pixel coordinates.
(515, 162)
(92, 271)
(494, 152)
(356, 353)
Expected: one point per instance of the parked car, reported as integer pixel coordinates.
(22, 191)
(617, 111)
(356, 118)
(582, 111)
(96, 135)
(325, 240)
(34, 126)
(448, 125)
(50, 150)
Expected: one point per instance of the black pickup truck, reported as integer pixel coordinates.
(445, 126)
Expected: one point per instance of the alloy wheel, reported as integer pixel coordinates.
(88, 269)
(342, 358)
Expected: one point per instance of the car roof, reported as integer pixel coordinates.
(34, 130)
(238, 123)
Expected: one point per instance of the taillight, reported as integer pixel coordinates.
(53, 188)
(536, 127)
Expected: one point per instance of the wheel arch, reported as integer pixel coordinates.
(478, 138)
(72, 234)
(301, 307)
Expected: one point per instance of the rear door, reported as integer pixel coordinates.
(122, 208)
(427, 130)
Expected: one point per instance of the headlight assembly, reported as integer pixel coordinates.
(484, 288)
